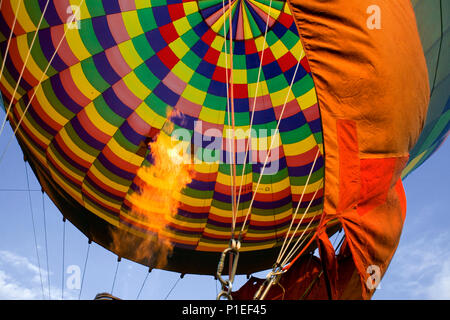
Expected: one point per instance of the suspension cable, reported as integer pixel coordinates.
(296, 245)
(284, 246)
(63, 258)
(115, 274)
(174, 285)
(84, 268)
(34, 231)
(143, 283)
(46, 245)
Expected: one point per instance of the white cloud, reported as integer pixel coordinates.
(420, 269)
(439, 288)
(22, 263)
(12, 290)
(21, 279)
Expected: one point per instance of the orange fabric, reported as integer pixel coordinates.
(349, 180)
(376, 177)
(372, 88)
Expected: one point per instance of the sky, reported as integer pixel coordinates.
(420, 268)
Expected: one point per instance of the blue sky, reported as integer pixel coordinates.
(420, 268)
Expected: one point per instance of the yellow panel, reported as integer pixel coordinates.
(297, 51)
(300, 146)
(32, 67)
(191, 201)
(31, 127)
(211, 115)
(151, 117)
(190, 7)
(23, 18)
(82, 82)
(36, 153)
(76, 44)
(182, 71)
(278, 216)
(179, 47)
(104, 216)
(84, 11)
(66, 169)
(308, 99)
(240, 76)
(278, 49)
(182, 26)
(125, 154)
(218, 43)
(310, 188)
(99, 121)
(130, 19)
(206, 167)
(194, 95)
(129, 54)
(274, 13)
(111, 183)
(74, 193)
(135, 85)
(74, 147)
(279, 98)
(140, 4)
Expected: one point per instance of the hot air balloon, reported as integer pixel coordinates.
(182, 134)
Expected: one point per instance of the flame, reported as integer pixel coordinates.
(161, 185)
(155, 205)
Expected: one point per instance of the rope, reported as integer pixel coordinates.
(34, 230)
(283, 247)
(84, 269)
(278, 270)
(46, 245)
(296, 245)
(143, 284)
(38, 85)
(23, 68)
(115, 275)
